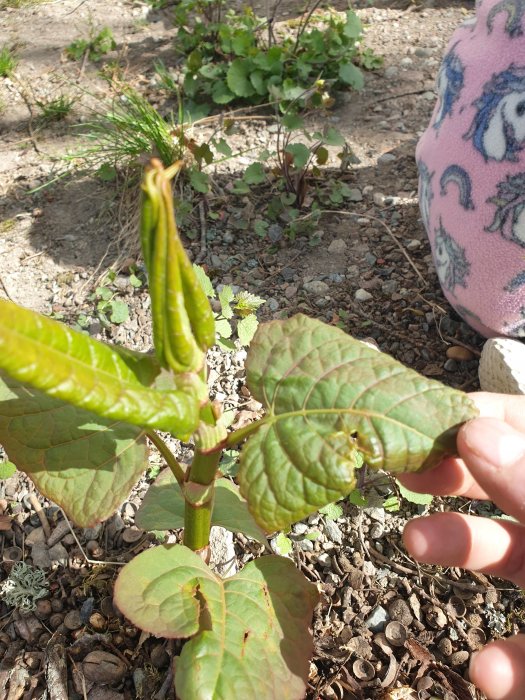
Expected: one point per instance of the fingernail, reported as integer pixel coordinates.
(494, 442)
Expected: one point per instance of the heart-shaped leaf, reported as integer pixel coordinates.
(163, 508)
(87, 373)
(328, 395)
(250, 636)
(85, 463)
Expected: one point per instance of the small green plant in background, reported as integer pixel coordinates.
(8, 61)
(56, 109)
(330, 402)
(235, 57)
(97, 45)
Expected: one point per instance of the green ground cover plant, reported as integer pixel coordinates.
(97, 45)
(236, 57)
(77, 414)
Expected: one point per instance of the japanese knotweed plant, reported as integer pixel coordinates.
(76, 415)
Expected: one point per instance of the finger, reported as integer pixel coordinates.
(495, 455)
(510, 409)
(449, 478)
(499, 669)
(495, 547)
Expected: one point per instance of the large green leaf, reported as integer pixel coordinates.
(87, 373)
(163, 508)
(327, 395)
(85, 463)
(250, 636)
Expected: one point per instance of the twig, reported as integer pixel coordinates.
(172, 463)
(89, 561)
(2, 283)
(56, 668)
(41, 515)
(403, 94)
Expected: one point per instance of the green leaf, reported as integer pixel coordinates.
(246, 303)
(419, 499)
(246, 329)
(238, 77)
(223, 147)
(205, 281)
(332, 511)
(221, 94)
(357, 499)
(333, 137)
(73, 367)
(226, 296)
(283, 544)
(85, 463)
(254, 174)
(321, 155)
(328, 396)
(241, 187)
(119, 311)
(249, 634)
(352, 27)
(199, 181)
(351, 75)
(300, 152)
(7, 470)
(223, 328)
(258, 81)
(391, 504)
(292, 122)
(163, 508)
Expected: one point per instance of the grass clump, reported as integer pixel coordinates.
(56, 109)
(8, 61)
(129, 131)
(97, 45)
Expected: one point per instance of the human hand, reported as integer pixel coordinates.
(491, 466)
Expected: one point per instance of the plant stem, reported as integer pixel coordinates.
(197, 518)
(170, 460)
(242, 433)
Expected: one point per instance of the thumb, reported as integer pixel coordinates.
(499, 669)
(494, 453)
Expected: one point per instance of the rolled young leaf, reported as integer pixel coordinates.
(183, 322)
(87, 373)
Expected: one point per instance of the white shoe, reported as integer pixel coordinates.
(502, 366)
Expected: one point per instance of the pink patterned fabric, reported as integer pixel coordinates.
(471, 162)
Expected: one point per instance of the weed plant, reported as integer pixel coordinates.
(56, 109)
(97, 45)
(8, 61)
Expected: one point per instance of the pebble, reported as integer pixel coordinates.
(377, 619)
(376, 531)
(317, 287)
(362, 295)
(391, 72)
(414, 244)
(275, 233)
(368, 189)
(389, 287)
(273, 304)
(456, 352)
(324, 559)
(377, 514)
(423, 52)
(337, 246)
(290, 291)
(355, 195)
(379, 199)
(288, 273)
(406, 62)
(450, 365)
(322, 302)
(306, 545)
(333, 532)
(386, 158)
(300, 528)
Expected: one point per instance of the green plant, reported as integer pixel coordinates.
(75, 415)
(97, 45)
(128, 131)
(8, 61)
(56, 109)
(234, 56)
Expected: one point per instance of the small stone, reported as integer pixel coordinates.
(377, 619)
(72, 620)
(450, 365)
(103, 667)
(377, 514)
(36, 536)
(223, 559)
(322, 302)
(60, 531)
(300, 528)
(406, 62)
(399, 611)
(333, 532)
(391, 72)
(414, 244)
(459, 658)
(324, 559)
(40, 556)
(386, 158)
(275, 233)
(337, 246)
(369, 569)
(317, 287)
(370, 259)
(379, 199)
(456, 352)
(306, 545)
(376, 531)
(58, 554)
(422, 52)
(159, 656)
(362, 295)
(389, 287)
(288, 273)
(355, 195)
